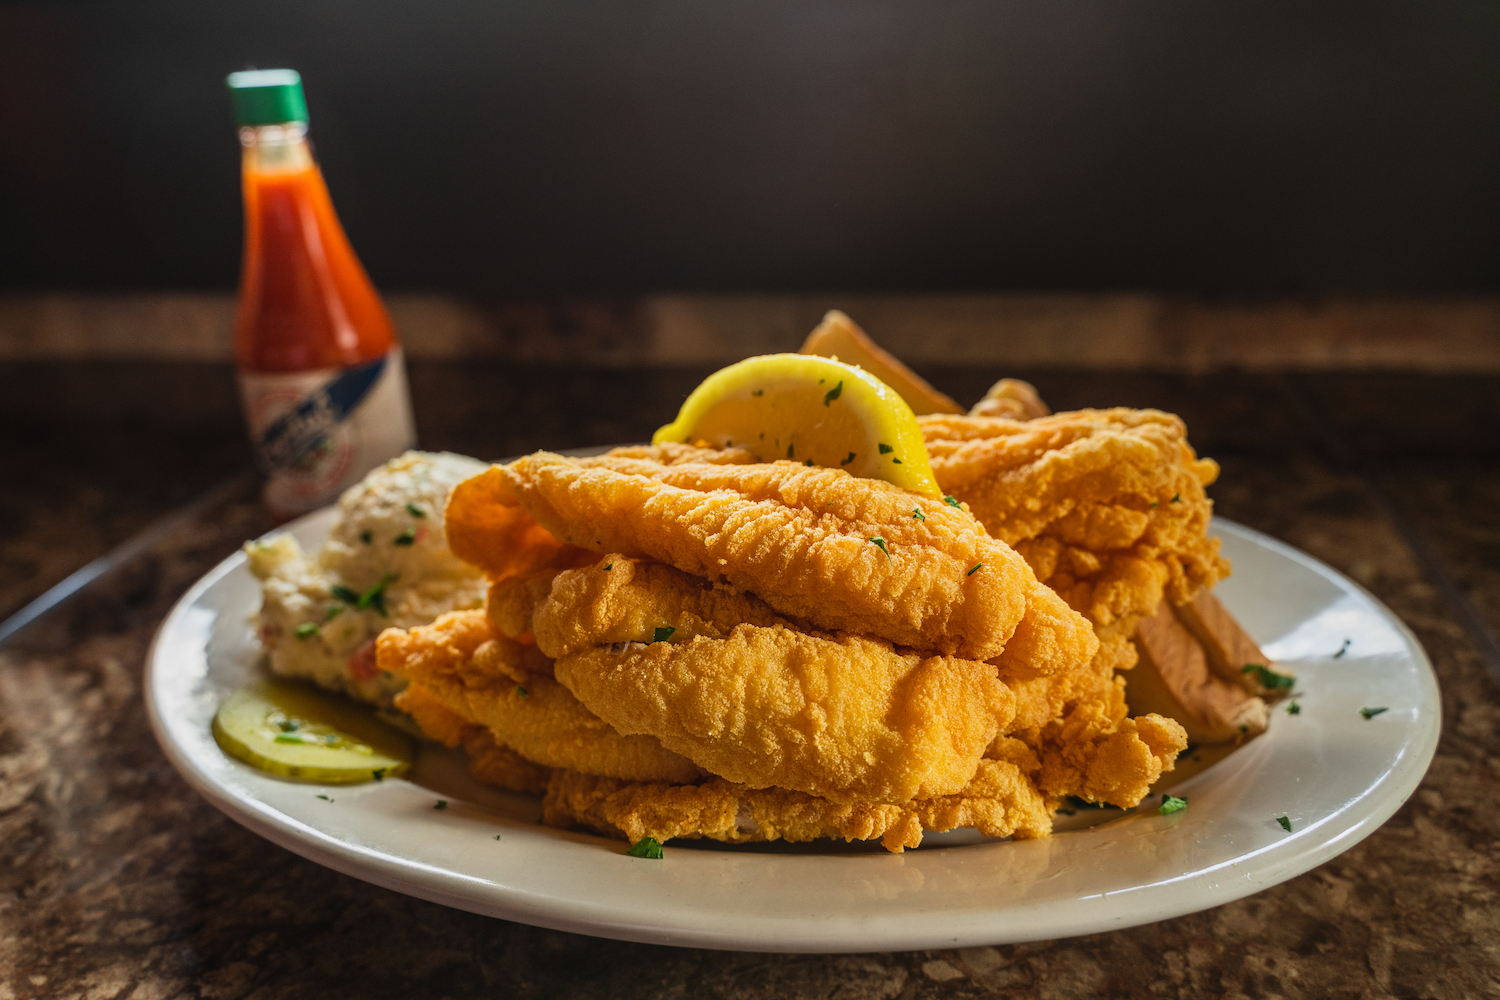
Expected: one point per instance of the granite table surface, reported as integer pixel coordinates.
(117, 881)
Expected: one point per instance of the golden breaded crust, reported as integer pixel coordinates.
(1107, 506)
(766, 704)
(1000, 802)
(490, 761)
(799, 538)
(508, 688)
(619, 599)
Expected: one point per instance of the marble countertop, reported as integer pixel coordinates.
(119, 882)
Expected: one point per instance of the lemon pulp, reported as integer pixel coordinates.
(811, 410)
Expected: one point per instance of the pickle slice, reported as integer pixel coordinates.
(296, 732)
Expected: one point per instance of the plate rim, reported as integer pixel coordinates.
(808, 935)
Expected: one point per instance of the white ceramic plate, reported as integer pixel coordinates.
(1335, 775)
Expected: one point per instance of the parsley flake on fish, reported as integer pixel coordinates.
(1177, 498)
(333, 613)
(306, 630)
(974, 569)
(1370, 713)
(1286, 824)
(378, 773)
(880, 544)
(833, 393)
(440, 805)
(366, 537)
(848, 460)
(1294, 709)
(646, 847)
(1171, 804)
(325, 798)
(406, 537)
(916, 512)
(662, 633)
(1343, 649)
(414, 510)
(791, 451)
(608, 567)
(1268, 678)
(522, 692)
(885, 449)
(951, 502)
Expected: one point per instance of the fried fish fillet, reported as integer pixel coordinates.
(1107, 506)
(720, 678)
(488, 680)
(1000, 801)
(843, 554)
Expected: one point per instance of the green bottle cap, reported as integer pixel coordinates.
(267, 96)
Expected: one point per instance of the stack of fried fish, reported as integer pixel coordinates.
(684, 642)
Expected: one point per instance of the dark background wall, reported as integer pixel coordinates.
(494, 146)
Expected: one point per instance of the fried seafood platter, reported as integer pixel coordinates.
(694, 639)
(821, 604)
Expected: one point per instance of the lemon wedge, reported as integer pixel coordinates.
(811, 410)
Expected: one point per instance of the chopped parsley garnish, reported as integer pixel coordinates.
(885, 449)
(1370, 713)
(1177, 498)
(1153, 503)
(916, 512)
(522, 691)
(1171, 804)
(758, 392)
(441, 804)
(951, 502)
(974, 569)
(833, 393)
(608, 567)
(662, 633)
(414, 510)
(375, 596)
(880, 544)
(1286, 824)
(896, 461)
(848, 460)
(289, 725)
(306, 630)
(808, 463)
(1268, 678)
(646, 847)
(791, 451)
(378, 773)
(333, 613)
(406, 537)
(366, 537)
(325, 798)
(1343, 649)
(344, 594)
(497, 836)
(290, 738)
(1294, 709)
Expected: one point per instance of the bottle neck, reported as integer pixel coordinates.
(276, 149)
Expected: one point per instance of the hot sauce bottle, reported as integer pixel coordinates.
(321, 374)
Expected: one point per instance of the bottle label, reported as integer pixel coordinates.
(317, 433)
